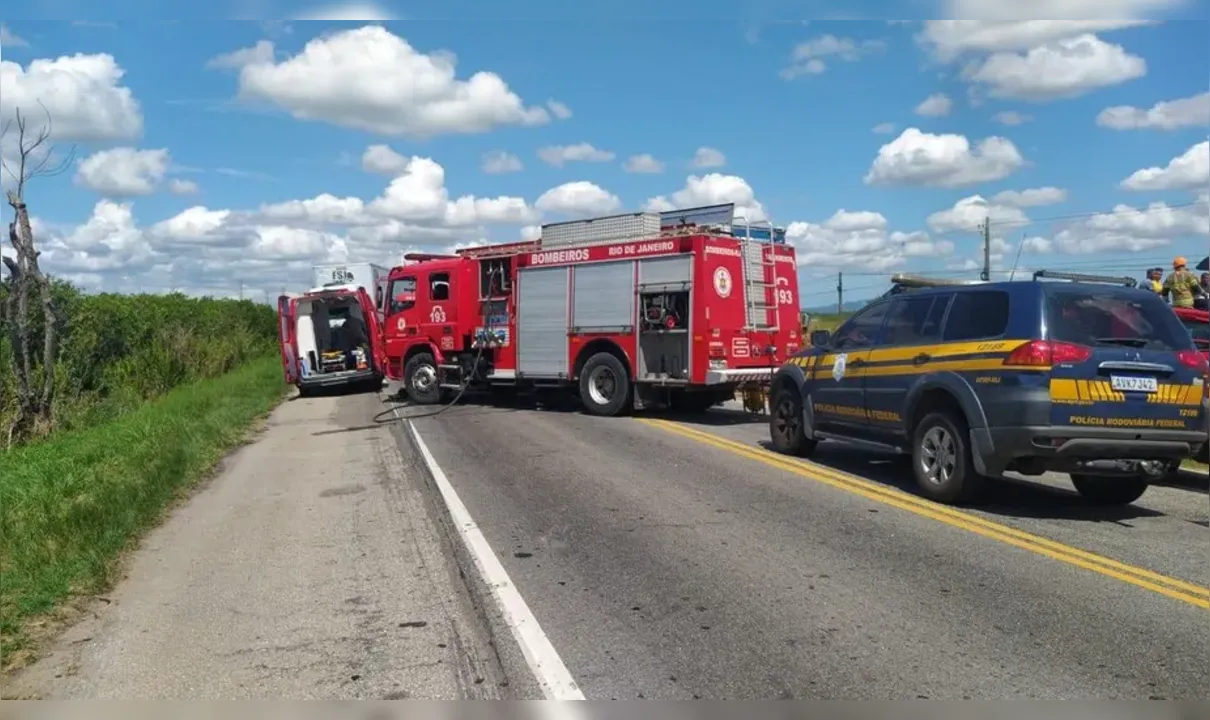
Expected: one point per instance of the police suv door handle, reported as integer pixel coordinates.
(921, 359)
(857, 362)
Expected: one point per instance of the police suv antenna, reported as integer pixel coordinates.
(986, 275)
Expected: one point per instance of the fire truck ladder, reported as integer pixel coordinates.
(760, 278)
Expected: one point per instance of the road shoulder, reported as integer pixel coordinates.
(310, 567)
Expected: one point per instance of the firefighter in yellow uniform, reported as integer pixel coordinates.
(1181, 284)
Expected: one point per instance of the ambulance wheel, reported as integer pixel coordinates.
(786, 429)
(1109, 490)
(941, 459)
(604, 386)
(420, 378)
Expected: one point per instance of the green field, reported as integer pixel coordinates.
(70, 505)
(826, 321)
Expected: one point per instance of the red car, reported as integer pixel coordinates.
(1198, 324)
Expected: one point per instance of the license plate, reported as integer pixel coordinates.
(1127, 383)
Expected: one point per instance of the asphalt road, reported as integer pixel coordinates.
(664, 563)
(311, 567)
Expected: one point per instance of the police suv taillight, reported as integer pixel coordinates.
(1045, 353)
(1194, 359)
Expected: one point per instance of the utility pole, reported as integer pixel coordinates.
(987, 250)
(839, 293)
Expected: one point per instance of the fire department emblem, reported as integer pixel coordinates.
(401, 324)
(722, 282)
(437, 315)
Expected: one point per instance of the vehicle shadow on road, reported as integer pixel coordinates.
(1007, 496)
(330, 391)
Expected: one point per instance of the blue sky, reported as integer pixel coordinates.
(788, 111)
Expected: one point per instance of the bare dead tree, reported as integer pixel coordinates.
(34, 158)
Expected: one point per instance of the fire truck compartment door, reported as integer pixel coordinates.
(542, 321)
(604, 297)
(285, 337)
(676, 271)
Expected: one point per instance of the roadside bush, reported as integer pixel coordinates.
(116, 352)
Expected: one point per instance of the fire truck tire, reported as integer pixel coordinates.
(420, 375)
(604, 385)
(786, 430)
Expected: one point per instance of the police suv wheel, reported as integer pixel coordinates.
(941, 459)
(604, 385)
(420, 379)
(1109, 490)
(786, 426)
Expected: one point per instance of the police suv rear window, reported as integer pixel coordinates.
(1113, 318)
(975, 315)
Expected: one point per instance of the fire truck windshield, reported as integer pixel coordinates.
(403, 294)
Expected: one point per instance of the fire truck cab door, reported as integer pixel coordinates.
(440, 315)
(286, 331)
(378, 347)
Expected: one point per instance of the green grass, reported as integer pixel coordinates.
(826, 321)
(71, 505)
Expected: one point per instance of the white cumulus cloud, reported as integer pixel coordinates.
(1188, 171)
(947, 160)
(123, 171)
(498, 161)
(708, 157)
(643, 163)
(1064, 68)
(370, 79)
(713, 189)
(1166, 115)
(935, 105)
(560, 155)
(580, 198)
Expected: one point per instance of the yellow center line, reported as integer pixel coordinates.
(1140, 577)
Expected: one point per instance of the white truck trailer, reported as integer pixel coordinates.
(350, 276)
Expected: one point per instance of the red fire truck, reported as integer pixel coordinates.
(630, 311)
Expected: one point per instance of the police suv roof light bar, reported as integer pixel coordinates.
(902, 282)
(1080, 277)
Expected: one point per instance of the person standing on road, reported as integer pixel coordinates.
(1181, 284)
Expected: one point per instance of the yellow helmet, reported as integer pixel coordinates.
(1178, 262)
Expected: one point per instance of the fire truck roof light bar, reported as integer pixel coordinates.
(1080, 277)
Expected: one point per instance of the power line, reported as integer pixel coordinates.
(1085, 216)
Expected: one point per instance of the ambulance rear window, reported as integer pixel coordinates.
(1113, 318)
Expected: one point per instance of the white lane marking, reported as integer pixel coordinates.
(544, 661)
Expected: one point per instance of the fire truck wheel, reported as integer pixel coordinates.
(604, 386)
(421, 376)
(786, 424)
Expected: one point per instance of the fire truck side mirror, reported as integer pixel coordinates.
(820, 338)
